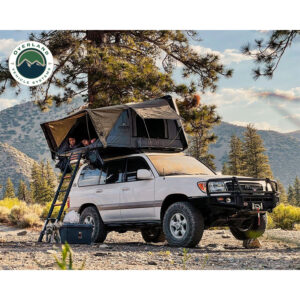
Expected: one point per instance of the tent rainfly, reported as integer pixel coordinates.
(153, 124)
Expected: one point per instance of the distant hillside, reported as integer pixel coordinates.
(13, 164)
(283, 150)
(20, 127)
(295, 134)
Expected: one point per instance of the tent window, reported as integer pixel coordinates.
(156, 128)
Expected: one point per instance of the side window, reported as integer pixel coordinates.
(133, 165)
(89, 176)
(113, 171)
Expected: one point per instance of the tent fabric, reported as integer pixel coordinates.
(61, 128)
(106, 124)
(104, 119)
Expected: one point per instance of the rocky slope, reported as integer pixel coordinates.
(14, 164)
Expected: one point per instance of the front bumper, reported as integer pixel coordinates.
(241, 200)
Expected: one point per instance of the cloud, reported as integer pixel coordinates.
(257, 125)
(228, 56)
(292, 95)
(6, 103)
(7, 45)
(227, 96)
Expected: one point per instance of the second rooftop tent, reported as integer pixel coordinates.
(153, 124)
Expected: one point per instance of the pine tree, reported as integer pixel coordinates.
(22, 191)
(199, 120)
(235, 162)
(50, 175)
(291, 195)
(225, 169)
(297, 191)
(283, 195)
(270, 52)
(9, 189)
(256, 163)
(42, 182)
(112, 67)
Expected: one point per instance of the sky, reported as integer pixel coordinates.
(268, 104)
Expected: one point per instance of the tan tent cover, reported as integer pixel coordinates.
(105, 118)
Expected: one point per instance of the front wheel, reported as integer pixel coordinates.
(183, 225)
(91, 216)
(250, 228)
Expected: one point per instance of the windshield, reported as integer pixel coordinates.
(178, 165)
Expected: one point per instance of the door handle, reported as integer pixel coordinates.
(99, 191)
(125, 189)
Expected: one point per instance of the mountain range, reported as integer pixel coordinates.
(20, 128)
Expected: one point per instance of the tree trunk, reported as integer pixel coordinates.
(97, 38)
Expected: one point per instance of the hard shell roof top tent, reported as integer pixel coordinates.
(153, 124)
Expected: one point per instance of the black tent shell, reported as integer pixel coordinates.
(153, 124)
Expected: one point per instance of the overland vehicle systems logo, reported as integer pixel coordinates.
(31, 63)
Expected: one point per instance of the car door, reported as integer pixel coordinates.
(87, 186)
(137, 197)
(110, 189)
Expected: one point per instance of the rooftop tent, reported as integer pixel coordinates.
(152, 124)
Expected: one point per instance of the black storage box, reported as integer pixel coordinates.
(76, 233)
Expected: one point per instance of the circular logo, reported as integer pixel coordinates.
(31, 63)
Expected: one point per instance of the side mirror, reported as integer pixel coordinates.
(144, 174)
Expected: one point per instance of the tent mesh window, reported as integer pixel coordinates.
(156, 128)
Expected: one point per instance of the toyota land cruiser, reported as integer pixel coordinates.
(169, 196)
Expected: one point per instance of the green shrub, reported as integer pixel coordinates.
(17, 213)
(24, 215)
(46, 209)
(285, 216)
(10, 202)
(270, 223)
(4, 213)
(30, 219)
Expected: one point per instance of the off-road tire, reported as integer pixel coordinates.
(99, 232)
(194, 225)
(254, 230)
(153, 235)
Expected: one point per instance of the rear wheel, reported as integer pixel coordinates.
(183, 225)
(250, 229)
(153, 235)
(91, 216)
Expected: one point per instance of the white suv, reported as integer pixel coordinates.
(169, 196)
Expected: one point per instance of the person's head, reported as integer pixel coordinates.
(85, 142)
(72, 141)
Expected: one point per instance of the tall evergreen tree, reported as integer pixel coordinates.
(256, 163)
(41, 185)
(23, 192)
(291, 195)
(198, 122)
(283, 195)
(235, 162)
(297, 191)
(50, 175)
(9, 189)
(112, 67)
(226, 169)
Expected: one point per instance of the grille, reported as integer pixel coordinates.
(245, 187)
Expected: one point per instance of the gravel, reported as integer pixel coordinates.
(280, 250)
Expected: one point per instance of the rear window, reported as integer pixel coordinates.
(178, 165)
(89, 176)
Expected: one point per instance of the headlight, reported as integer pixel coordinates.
(217, 186)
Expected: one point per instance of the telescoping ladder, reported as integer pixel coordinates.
(73, 159)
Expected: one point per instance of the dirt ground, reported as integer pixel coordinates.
(217, 250)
